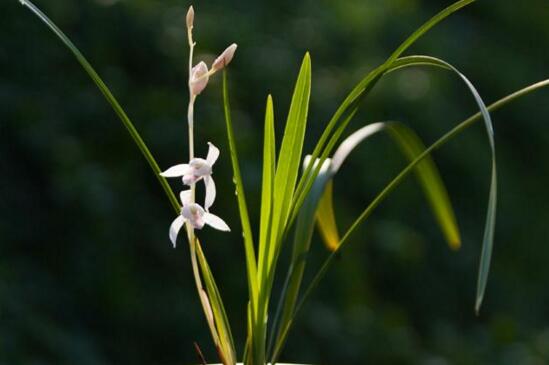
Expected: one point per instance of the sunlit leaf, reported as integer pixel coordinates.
(285, 178)
(289, 158)
(426, 172)
(351, 103)
(301, 245)
(325, 217)
(241, 198)
(401, 177)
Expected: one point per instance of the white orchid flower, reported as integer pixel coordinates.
(196, 216)
(198, 169)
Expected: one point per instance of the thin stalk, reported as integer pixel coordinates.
(190, 229)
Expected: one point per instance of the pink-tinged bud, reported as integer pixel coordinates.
(199, 78)
(225, 58)
(190, 17)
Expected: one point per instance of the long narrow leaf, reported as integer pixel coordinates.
(400, 178)
(403, 62)
(426, 172)
(353, 99)
(325, 218)
(110, 99)
(488, 239)
(285, 178)
(267, 197)
(241, 198)
(301, 245)
(267, 188)
(218, 310)
(289, 159)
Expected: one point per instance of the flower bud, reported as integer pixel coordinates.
(199, 78)
(224, 58)
(190, 17)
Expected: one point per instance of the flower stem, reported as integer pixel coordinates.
(204, 300)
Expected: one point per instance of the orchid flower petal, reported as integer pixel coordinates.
(215, 222)
(210, 192)
(199, 78)
(213, 154)
(176, 171)
(185, 197)
(175, 228)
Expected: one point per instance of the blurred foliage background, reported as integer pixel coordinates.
(87, 273)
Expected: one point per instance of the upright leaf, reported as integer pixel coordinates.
(267, 187)
(249, 249)
(389, 188)
(285, 178)
(301, 245)
(289, 159)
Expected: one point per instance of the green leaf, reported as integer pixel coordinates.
(320, 199)
(110, 99)
(227, 350)
(241, 198)
(430, 181)
(408, 169)
(353, 99)
(489, 226)
(325, 218)
(427, 26)
(285, 178)
(301, 245)
(403, 62)
(426, 172)
(288, 164)
(267, 188)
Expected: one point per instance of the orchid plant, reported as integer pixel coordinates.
(294, 202)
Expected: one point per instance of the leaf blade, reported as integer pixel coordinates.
(221, 320)
(110, 98)
(426, 173)
(430, 181)
(351, 102)
(325, 218)
(402, 175)
(241, 199)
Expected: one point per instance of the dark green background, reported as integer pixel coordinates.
(87, 273)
